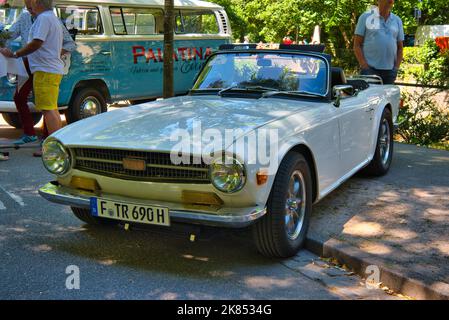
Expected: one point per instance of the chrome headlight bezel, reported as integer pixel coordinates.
(55, 157)
(227, 174)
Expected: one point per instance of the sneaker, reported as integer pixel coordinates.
(37, 154)
(24, 140)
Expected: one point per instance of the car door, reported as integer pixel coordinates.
(356, 123)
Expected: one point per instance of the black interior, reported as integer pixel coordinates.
(338, 77)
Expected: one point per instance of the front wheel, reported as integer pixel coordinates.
(381, 163)
(281, 233)
(86, 102)
(13, 119)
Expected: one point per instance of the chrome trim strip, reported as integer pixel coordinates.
(148, 165)
(62, 195)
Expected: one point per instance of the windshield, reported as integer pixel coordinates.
(276, 71)
(8, 16)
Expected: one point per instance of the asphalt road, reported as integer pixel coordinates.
(40, 240)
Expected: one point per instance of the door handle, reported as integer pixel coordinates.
(106, 53)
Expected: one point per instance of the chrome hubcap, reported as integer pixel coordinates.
(90, 107)
(295, 206)
(384, 142)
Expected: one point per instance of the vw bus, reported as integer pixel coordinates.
(119, 54)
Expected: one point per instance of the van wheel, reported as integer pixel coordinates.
(85, 216)
(281, 233)
(86, 102)
(381, 163)
(13, 119)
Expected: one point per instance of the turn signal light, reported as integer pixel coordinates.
(85, 184)
(262, 178)
(201, 198)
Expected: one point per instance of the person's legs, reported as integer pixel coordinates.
(389, 76)
(46, 92)
(52, 120)
(21, 100)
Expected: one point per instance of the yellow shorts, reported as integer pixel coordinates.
(46, 90)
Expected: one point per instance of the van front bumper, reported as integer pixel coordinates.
(10, 106)
(231, 217)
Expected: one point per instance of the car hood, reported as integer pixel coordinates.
(156, 125)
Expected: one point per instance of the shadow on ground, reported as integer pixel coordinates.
(401, 218)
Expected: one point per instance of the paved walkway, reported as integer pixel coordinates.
(400, 220)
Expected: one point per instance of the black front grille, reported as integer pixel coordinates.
(159, 167)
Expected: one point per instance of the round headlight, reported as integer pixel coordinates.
(227, 174)
(55, 157)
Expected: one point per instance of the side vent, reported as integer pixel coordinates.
(223, 21)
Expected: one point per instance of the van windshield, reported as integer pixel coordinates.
(8, 16)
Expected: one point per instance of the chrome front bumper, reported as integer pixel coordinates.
(238, 218)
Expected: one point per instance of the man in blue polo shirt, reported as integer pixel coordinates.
(378, 42)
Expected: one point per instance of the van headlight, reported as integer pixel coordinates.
(12, 78)
(227, 174)
(56, 158)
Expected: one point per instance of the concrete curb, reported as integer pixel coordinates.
(393, 279)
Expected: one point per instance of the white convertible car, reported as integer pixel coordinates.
(262, 136)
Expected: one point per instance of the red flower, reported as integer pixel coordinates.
(442, 43)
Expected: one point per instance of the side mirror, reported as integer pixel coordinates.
(340, 92)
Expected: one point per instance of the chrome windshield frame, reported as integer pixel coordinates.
(325, 57)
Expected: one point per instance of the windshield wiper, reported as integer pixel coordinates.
(292, 93)
(220, 93)
(248, 88)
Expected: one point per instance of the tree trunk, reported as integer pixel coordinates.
(169, 26)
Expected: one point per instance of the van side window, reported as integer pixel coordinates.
(196, 21)
(137, 21)
(85, 19)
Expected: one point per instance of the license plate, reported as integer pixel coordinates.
(129, 212)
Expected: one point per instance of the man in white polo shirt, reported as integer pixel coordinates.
(44, 55)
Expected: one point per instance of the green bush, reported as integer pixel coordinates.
(421, 121)
(412, 55)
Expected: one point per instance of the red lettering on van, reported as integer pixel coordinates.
(150, 55)
(198, 54)
(138, 54)
(183, 54)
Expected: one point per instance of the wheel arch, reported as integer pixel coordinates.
(97, 84)
(308, 154)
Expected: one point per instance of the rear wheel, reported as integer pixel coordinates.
(85, 216)
(381, 163)
(282, 231)
(87, 102)
(13, 119)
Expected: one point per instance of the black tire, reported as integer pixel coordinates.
(380, 165)
(76, 111)
(13, 119)
(85, 216)
(270, 232)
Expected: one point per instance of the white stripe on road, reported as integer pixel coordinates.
(15, 197)
(2, 206)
